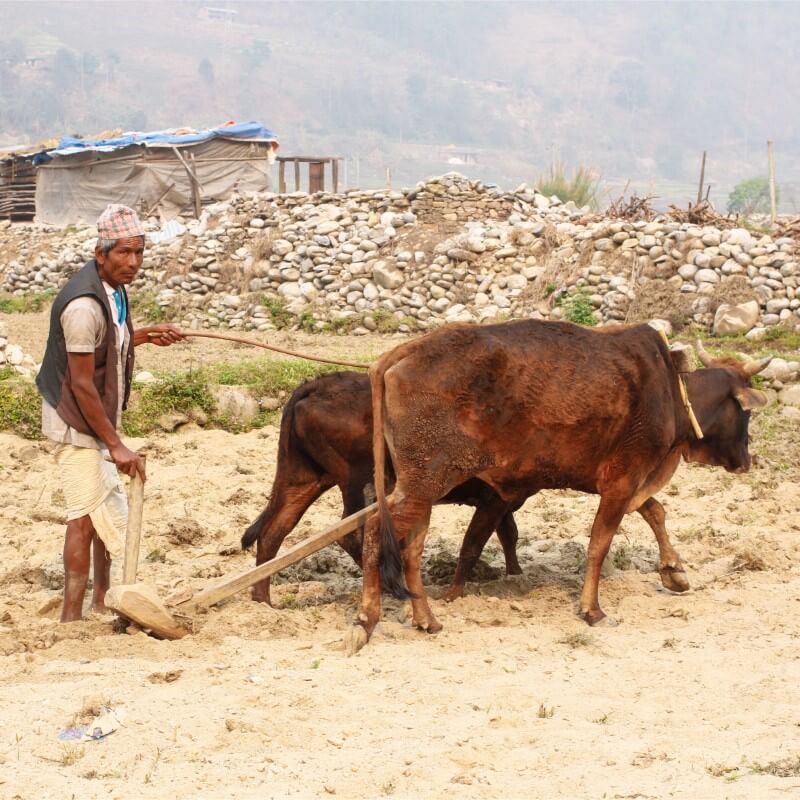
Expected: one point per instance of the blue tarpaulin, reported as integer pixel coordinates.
(246, 131)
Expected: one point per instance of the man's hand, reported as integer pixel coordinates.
(161, 335)
(127, 461)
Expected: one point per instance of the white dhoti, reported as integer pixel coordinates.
(92, 488)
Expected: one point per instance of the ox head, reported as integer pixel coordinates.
(723, 398)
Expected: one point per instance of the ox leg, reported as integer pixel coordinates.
(508, 534)
(370, 611)
(276, 522)
(411, 519)
(670, 566)
(354, 500)
(486, 518)
(609, 515)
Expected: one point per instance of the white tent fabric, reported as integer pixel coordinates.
(78, 187)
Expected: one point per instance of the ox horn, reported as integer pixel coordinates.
(752, 367)
(705, 358)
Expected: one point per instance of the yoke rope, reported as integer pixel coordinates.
(254, 343)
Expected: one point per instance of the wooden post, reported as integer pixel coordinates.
(702, 179)
(388, 177)
(296, 175)
(194, 183)
(282, 177)
(316, 176)
(773, 203)
(133, 534)
(335, 174)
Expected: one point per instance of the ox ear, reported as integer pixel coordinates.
(750, 399)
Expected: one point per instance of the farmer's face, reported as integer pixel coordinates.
(121, 264)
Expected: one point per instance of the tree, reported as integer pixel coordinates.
(206, 70)
(751, 197)
(12, 50)
(256, 55)
(66, 71)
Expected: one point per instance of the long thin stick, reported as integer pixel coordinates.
(254, 343)
(702, 178)
(133, 534)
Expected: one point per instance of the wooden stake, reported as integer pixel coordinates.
(702, 179)
(773, 204)
(133, 534)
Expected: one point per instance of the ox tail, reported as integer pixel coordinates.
(285, 438)
(391, 563)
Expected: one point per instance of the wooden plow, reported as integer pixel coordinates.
(140, 602)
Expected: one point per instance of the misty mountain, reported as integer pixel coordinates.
(495, 90)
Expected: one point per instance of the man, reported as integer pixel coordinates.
(85, 382)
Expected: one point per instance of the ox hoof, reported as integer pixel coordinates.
(355, 639)
(514, 569)
(430, 626)
(674, 579)
(453, 593)
(597, 618)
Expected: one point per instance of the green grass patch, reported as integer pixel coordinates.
(281, 317)
(779, 340)
(20, 406)
(178, 392)
(268, 376)
(25, 303)
(144, 307)
(182, 392)
(578, 308)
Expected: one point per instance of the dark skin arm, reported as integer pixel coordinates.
(81, 368)
(161, 335)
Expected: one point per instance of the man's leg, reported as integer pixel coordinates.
(102, 574)
(77, 546)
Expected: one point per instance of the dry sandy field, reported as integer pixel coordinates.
(688, 696)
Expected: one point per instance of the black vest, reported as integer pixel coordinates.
(53, 379)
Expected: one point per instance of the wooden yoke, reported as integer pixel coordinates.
(683, 360)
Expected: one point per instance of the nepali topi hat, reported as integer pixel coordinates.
(119, 222)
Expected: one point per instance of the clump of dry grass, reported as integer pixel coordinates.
(657, 299)
(748, 559)
(576, 640)
(93, 706)
(783, 768)
(261, 246)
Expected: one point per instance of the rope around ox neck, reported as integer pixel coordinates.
(254, 343)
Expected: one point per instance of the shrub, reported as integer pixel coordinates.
(280, 316)
(751, 197)
(578, 309)
(580, 187)
(20, 406)
(179, 392)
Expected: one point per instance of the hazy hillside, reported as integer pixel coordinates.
(635, 90)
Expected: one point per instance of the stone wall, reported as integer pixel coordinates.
(450, 249)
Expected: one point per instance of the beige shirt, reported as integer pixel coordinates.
(84, 326)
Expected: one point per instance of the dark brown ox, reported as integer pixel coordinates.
(532, 405)
(326, 440)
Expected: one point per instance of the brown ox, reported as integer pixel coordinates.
(325, 441)
(532, 405)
